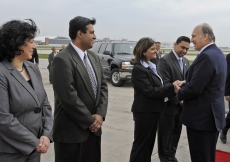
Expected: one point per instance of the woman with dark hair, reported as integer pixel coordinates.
(25, 113)
(150, 97)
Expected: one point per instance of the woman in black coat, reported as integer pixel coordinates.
(150, 97)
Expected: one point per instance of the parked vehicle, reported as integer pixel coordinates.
(115, 59)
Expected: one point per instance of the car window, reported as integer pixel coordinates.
(102, 48)
(124, 48)
(109, 47)
(95, 47)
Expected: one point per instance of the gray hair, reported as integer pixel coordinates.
(206, 29)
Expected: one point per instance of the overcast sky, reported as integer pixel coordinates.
(163, 20)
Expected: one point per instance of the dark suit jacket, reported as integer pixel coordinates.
(148, 91)
(20, 126)
(50, 60)
(159, 53)
(203, 94)
(227, 85)
(170, 70)
(34, 56)
(74, 97)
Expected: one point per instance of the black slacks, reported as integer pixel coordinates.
(19, 157)
(145, 128)
(88, 151)
(49, 75)
(225, 130)
(169, 131)
(202, 145)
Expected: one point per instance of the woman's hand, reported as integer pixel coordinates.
(43, 145)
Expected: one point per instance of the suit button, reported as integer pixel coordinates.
(37, 110)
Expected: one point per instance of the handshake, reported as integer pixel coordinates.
(177, 84)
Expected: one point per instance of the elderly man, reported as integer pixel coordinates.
(203, 111)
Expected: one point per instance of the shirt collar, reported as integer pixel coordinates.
(202, 49)
(177, 57)
(79, 51)
(151, 65)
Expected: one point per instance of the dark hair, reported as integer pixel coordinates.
(79, 23)
(14, 34)
(141, 47)
(182, 38)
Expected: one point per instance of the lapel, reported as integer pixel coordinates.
(185, 65)
(150, 71)
(34, 79)
(82, 70)
(14, 72)
(176, 63)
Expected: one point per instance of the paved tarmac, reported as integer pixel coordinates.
(118, 127)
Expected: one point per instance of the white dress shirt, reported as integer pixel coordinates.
(81, 55)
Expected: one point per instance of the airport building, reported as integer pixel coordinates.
(52, 40)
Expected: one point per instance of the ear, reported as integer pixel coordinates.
(174, 44)
(205, 36)
(79, 34)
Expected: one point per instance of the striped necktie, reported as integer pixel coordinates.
(91, 76)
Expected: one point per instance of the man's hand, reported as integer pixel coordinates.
(227, 98)
(176, 87)
(98, 120)
(179, 83)
(43, 145)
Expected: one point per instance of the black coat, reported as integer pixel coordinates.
(149, 93)
(227, 85)
(203, 94)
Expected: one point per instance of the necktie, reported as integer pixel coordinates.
(91, 76)
(181, 64)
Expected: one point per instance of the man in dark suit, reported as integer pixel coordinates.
(50, 60)
(172, 67)
(81, 96)
(62, 47)
(203, 111)
(158, 54)
(224, 132)
(35, 58)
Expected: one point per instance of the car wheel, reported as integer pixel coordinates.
(115, 78)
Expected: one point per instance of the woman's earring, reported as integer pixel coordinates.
(144, 54)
